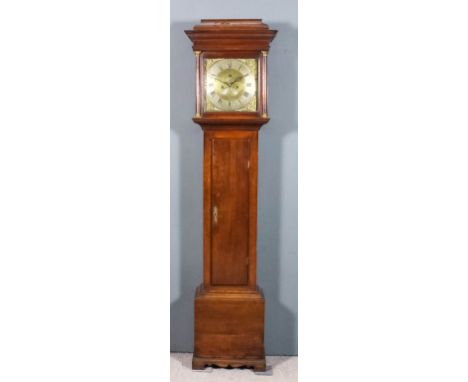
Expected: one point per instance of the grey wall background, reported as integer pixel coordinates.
(277, 183)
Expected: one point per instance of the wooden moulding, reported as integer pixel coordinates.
(231, 34)
(199, 363)
(222, 122)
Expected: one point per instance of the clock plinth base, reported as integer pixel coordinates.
(199, 363)
(229, 329)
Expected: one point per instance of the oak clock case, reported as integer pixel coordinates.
(231, 107)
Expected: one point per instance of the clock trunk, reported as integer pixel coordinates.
(230, 158)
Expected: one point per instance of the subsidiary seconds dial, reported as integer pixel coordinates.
(230, 85)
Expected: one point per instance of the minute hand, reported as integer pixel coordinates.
(217, 79)
(237, 79)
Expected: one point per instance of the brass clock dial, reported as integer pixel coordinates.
(231, 84)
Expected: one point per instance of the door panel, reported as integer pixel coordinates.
(230, 211)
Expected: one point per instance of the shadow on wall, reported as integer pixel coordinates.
(187, 190)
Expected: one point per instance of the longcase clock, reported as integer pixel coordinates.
(231, 106)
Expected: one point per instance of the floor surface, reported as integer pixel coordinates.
(279, 369)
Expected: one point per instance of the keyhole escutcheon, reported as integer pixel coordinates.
(215, 215)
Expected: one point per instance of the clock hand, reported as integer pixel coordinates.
(217, 79)
(238, 79)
